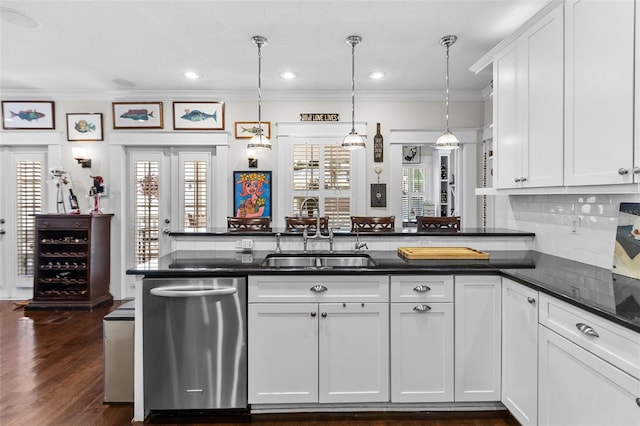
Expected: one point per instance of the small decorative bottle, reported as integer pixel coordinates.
(73, 202)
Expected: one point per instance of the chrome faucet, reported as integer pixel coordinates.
(318, 234)
(359, 245)
(278, 249)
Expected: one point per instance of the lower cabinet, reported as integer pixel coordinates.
(579, 388)
(422, 338)
(477, 338)
(327, 352)
(520, 351)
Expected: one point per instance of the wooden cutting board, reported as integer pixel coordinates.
(415, 253)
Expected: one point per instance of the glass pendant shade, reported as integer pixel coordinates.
(353, 141)
(259, 141)
(447, 140)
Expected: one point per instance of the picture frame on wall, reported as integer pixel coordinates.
(248, 129)
(198, 116)
(411, 154)
(84, 127)
(252, 193)
(28, 115)
(378, 195)
(137, 115)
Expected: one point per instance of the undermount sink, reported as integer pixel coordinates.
(319, 261)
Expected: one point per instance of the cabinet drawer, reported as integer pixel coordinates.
(609, 341)
(312, 288)
(62, 223)
(422, 288)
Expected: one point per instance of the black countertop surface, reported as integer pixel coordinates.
(464, 232)
(594, 289)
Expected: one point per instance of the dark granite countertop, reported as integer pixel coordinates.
(464, 232)
(597, 290)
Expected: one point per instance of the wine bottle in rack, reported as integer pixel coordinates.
(73, 201)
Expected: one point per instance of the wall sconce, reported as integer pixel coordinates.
(80, 155)
(251, 156)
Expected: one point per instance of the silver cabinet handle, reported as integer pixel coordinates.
(422, 308)
(193, 291)
(638, 401)
(531, 300)
(318, 288)
(636, 170)
(323, 315)
(587, 329)
(313, 314)
(422, 288)
(622, 171)
(516, 180)
(523, 179)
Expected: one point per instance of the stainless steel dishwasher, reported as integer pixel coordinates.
(194, 343)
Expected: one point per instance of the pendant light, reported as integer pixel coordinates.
(447, 140)
(353, 141)
(259, 141)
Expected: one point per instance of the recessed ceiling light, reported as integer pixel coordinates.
(18, 18)
(192, 75)
(288, 75)
(377, 75)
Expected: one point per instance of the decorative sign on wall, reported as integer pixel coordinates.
(318, 116)
(377, 146)
(378, 195)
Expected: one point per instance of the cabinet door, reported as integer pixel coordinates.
(544, 122)
(477, 338)
(520, 351)
(354, 352)
(283, 352)
(421, 352)
(507, 110)
(599, 82)
(578, 388)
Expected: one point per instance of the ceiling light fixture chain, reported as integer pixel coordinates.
(353, 140)
(259, 141)
(447, 140)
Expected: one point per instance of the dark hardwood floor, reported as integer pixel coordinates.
(51, 373)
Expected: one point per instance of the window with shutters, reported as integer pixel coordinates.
(322, 178)
(414, 194)
(195, 190)
(146, 211)
(28, 203)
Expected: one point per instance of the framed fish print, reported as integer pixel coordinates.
(137, 115)
(252, 194)
(32, 115)
(248, 129)
(84, 127)
(198, 116)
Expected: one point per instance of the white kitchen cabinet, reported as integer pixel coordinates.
(421, 352)
(283, 352)
(599, 92)
(579, 388)
(477, 338)
(304, 347)
(528, 107)
(520, 351)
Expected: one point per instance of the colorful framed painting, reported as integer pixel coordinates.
(248, 129)
(137, 115)
(28, 115)
(84, 127)
(626, 253)
(252, 194)
(198, 116)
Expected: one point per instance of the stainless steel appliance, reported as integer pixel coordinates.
(194, 343)
(118, 334)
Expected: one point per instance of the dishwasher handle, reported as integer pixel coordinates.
(192, 291)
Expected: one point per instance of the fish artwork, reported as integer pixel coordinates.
(197, 115)
(83, 126)
(29, 115)
(138, 114)
(253, 130)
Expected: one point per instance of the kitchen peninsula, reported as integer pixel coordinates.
(428, 335)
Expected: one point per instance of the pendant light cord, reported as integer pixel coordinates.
(353, 87)
(260, 89)
(447, 91)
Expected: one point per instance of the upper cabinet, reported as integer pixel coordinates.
(599, 84)
(528, 104)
